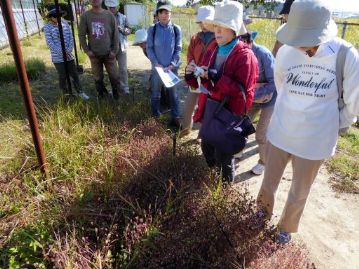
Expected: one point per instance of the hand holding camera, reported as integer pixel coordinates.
(198, 71)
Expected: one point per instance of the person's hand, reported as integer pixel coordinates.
(68, 55)
(190, 67)
(205, 73)
(90, 54)
(111, 55)
(168, 68)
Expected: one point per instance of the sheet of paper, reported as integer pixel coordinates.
(168, 78)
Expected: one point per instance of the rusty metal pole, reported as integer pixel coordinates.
(37, 19)
(23, 18)
(24, 83)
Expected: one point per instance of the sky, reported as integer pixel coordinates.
(337, 5)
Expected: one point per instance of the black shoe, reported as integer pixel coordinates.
(115, 95)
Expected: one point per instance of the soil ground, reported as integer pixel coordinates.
(329, 226)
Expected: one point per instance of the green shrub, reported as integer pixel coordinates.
(34, 67)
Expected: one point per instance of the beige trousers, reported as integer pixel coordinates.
(261, 128)
(190, 104)
(304, 173)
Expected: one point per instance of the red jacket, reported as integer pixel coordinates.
(241, 67)
(197, 48)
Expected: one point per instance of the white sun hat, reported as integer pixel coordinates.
(140, 36)
(111, 3)
(228, 14)
(205, 13)
(309, 24)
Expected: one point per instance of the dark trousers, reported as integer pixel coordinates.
(224, 162)
(97, 64)
(71, 67)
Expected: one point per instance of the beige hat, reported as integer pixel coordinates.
(228, 14)
(205, 13)
(309, 24)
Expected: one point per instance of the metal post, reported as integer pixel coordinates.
(59, 24)
(345, 24)
(77, 9)
(37, 19)
(24, 83)
(73, 32)
(23, 18)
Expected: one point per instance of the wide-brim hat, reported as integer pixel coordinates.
(309, 24)
(140, 37)
(227, 14)
(205, 13)
(51, 11)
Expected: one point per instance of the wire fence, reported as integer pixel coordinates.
(266, 27)
(27, 18)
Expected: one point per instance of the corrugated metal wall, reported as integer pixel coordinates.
(24, 29)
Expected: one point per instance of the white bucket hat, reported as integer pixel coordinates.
(309, 24)
(228, 14)
(205, 13)
(111, 3)
(140, 36)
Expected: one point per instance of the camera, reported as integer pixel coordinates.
(198, 71)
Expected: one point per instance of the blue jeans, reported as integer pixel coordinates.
(156, 85)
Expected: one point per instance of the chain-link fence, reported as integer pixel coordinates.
(27, 18)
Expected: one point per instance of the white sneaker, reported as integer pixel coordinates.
(84, 96)
(258, 169)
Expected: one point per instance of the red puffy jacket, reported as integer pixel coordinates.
(241, 67)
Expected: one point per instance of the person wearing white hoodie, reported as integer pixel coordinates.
(307, 116)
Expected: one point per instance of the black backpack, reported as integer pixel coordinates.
(175, 27)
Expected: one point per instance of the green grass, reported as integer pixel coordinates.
(34, 68)
(82, 57)
(131, 37)
(345, 164)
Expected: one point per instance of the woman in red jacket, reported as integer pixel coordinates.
(199, 44)
(224, 68)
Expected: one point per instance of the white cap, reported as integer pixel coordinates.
(111, 3)
(140, 36)
(205, 13)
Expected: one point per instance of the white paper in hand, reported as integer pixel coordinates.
(168, 78)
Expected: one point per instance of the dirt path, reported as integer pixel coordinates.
(330, 223)
(329, 226)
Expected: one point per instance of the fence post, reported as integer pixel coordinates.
(23, 18)
(345, 24)
(69, 6)
(37, 19)
(24, 84)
